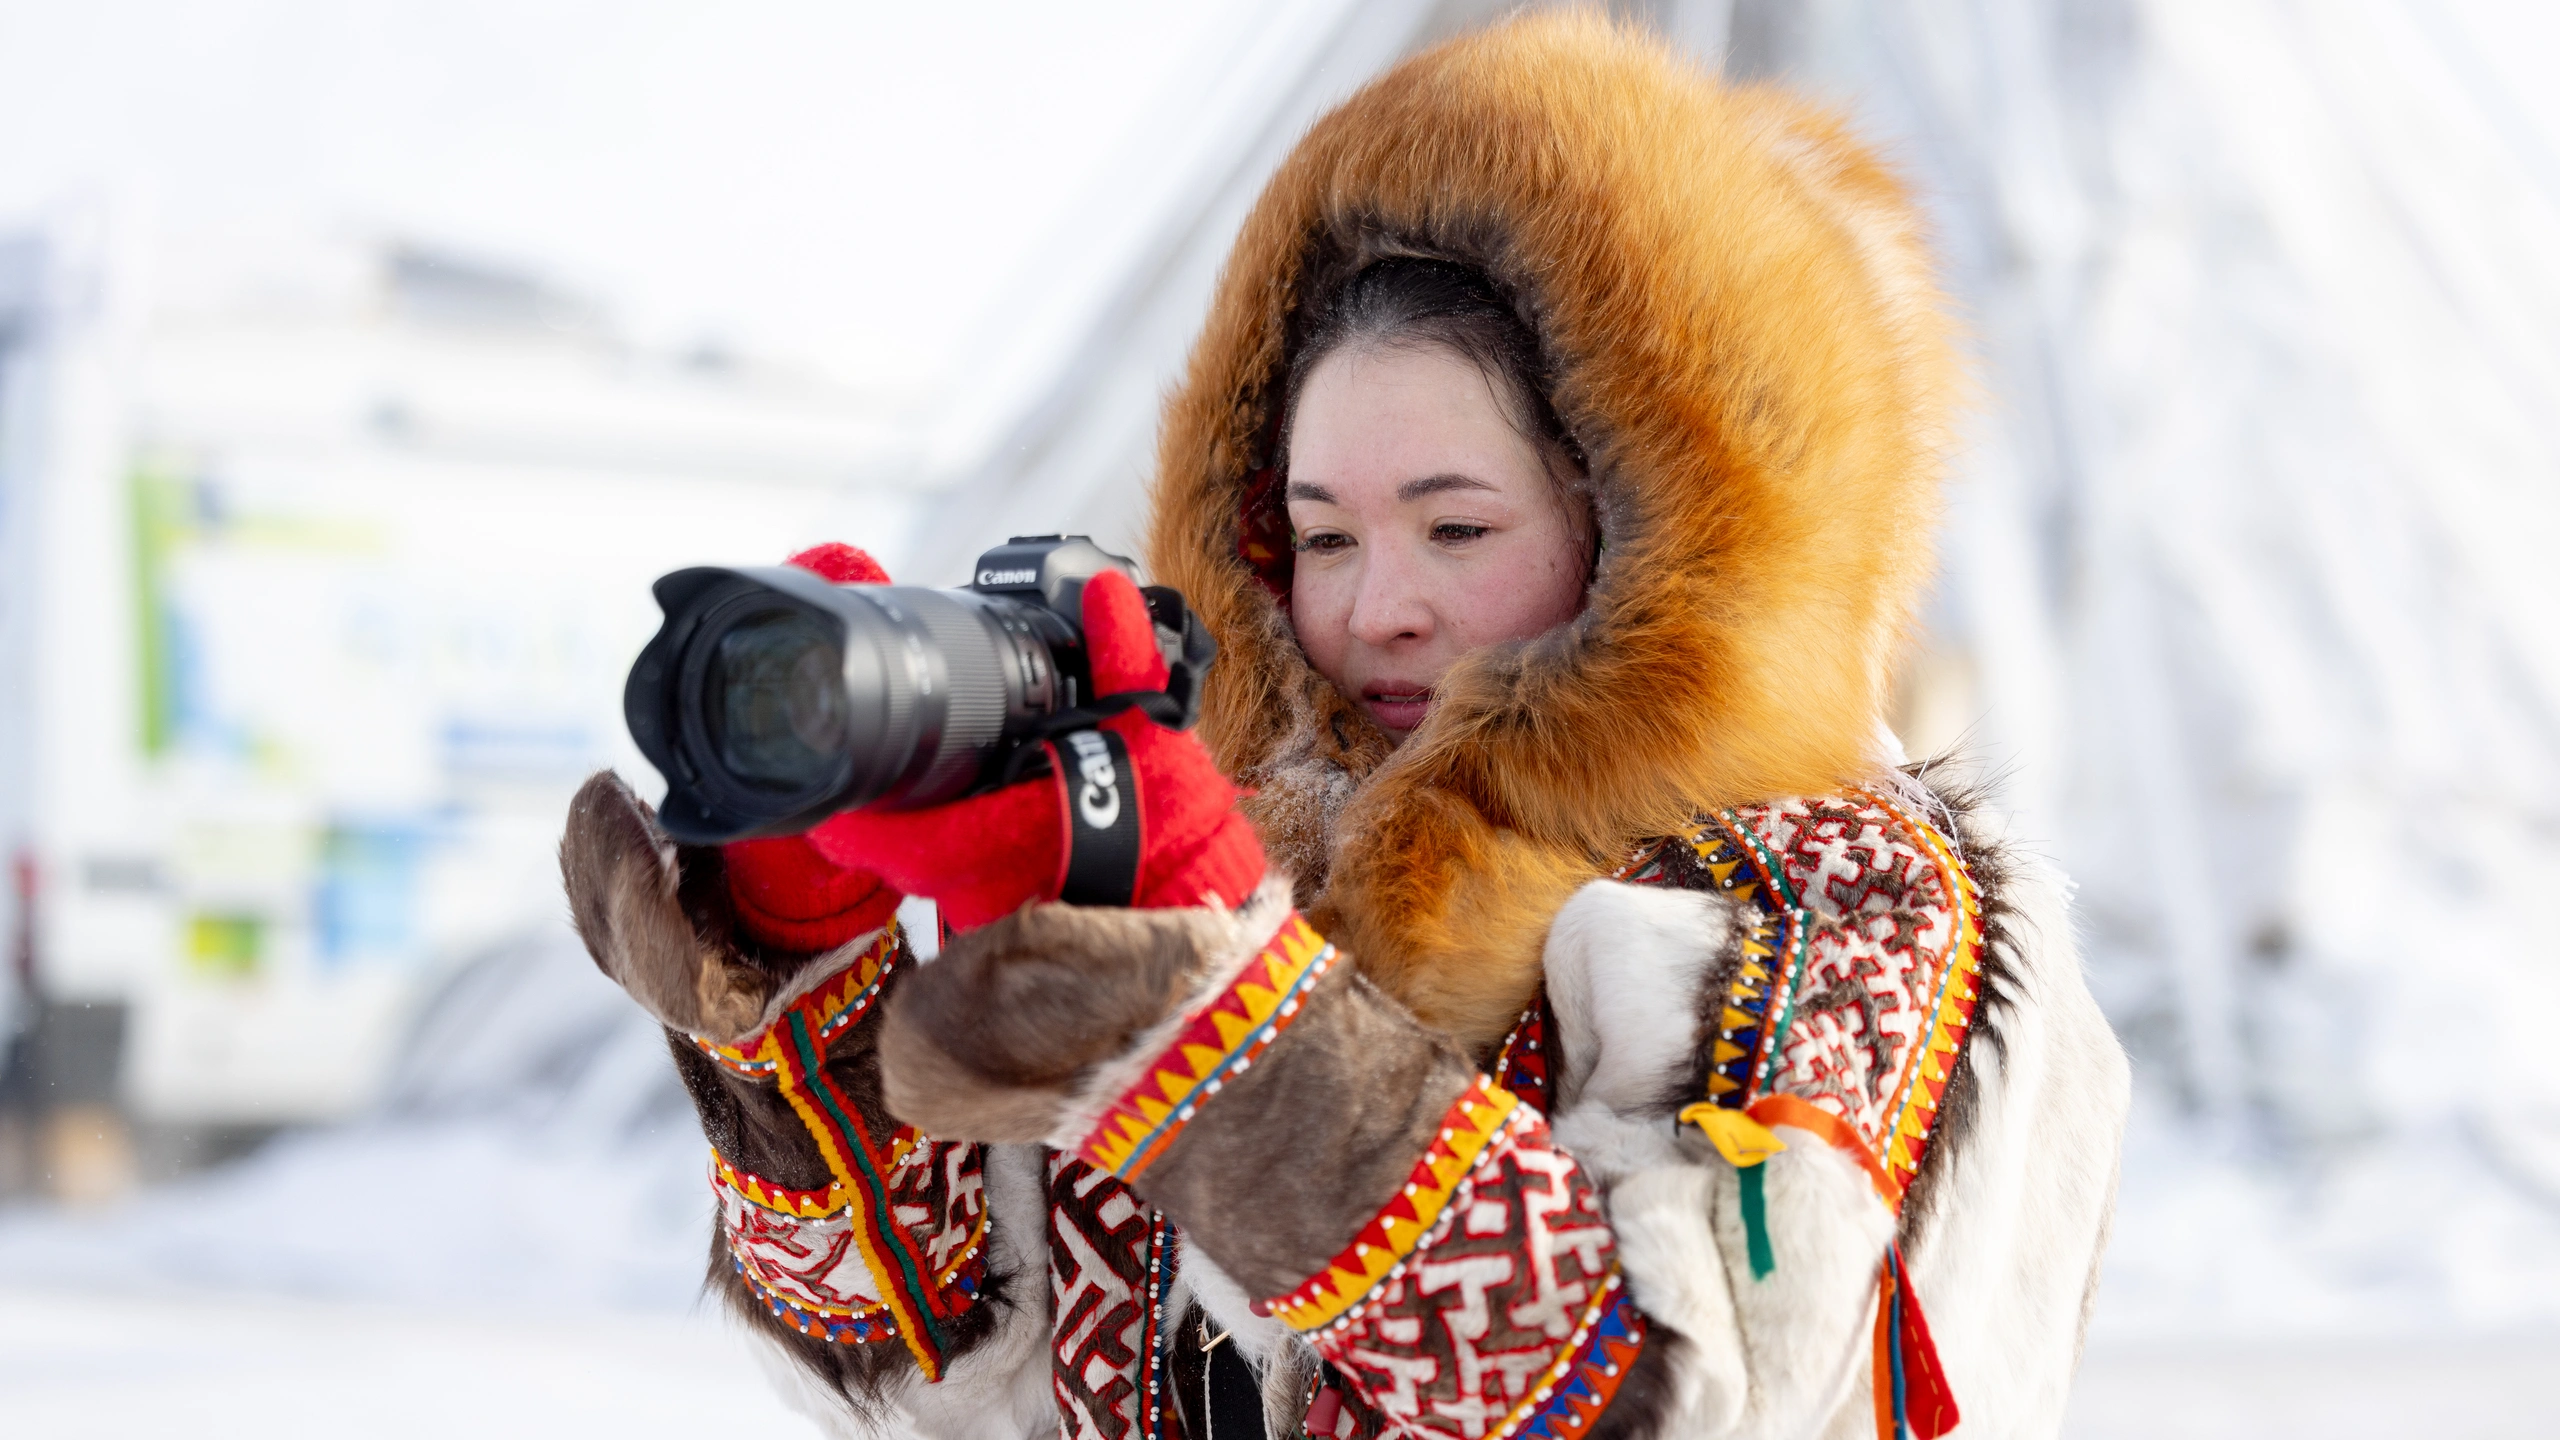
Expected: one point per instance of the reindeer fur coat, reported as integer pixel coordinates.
(1746, 344)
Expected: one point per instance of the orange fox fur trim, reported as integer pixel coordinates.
(1750, 348)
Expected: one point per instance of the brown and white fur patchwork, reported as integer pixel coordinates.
(1027, 1028)
(2003, 1239)
(1226, 943)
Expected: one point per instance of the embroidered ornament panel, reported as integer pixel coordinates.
(864, 1155)
(1858, 981)
(1505, 1317)
(1111, 1263)
(1860, 972)
(798, 1254)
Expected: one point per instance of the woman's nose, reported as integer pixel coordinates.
(1389, 606)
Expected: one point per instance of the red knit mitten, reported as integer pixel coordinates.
(786, 892)
(986, 856)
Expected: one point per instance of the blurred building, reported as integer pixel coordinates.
(319, 574)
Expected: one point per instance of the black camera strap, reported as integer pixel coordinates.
(1104, 837)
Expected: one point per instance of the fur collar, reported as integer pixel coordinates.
(1749, 348)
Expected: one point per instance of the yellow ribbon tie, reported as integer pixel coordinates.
(1739, 1138)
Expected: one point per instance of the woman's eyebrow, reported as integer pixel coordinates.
(1317, 494)
(1413, 490)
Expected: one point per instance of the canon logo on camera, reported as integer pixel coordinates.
(1007, 577)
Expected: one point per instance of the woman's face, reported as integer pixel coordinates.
(1427, 526)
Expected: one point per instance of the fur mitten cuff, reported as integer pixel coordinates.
(1219, 1061)
(1301, 1150)
(1024, 1028)
(656, 916)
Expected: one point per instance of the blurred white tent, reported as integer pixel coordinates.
(2246, 598)
(2248, 579)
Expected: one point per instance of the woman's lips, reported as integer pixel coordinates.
(1395, 704)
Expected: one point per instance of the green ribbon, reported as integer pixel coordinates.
(1755, 1220)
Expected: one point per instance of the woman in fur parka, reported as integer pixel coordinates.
(1579, 1023)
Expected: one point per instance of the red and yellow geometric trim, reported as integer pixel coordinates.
(1219, 1041)
(798, 1204)
(1467, 1134)
(829, 1010)
(1913, 1111)
(1568, 1399)
(792, 1052)
(781, 1200)
(961, 1276)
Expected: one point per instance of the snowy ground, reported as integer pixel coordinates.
(2440, 1390)
(217, 1366)
(221, 1366)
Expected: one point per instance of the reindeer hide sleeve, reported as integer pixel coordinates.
(1664, 1258)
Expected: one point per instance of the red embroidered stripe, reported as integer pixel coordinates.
(1521, 1065)
(1947, 1014)
(1586, 1378)
(1467, 1134)
(1508, 1317)
(792, 1052)
(1219, 1040)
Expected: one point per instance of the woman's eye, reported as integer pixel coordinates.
(1452, 532)
(1323, 542)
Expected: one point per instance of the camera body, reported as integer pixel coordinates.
(771, 699)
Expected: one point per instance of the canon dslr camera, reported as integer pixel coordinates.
(771, 699)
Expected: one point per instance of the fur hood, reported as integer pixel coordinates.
(1748, 346)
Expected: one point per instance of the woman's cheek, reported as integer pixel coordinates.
(1555, 575)
(1320, 619)
(1501, 595)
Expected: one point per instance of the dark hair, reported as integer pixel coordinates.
(1408, 303)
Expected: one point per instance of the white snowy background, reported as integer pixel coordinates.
(2247, 602)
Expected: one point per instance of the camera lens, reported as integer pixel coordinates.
(777, 702)
(771, 699)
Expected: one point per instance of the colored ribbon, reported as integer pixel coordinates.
(792, 1051)
(1913, 1399)
(861, 1166)
(1747, 1144)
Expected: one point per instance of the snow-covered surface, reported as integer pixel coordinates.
(536, 1150)
(90, 1363)
(2275, 1391)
